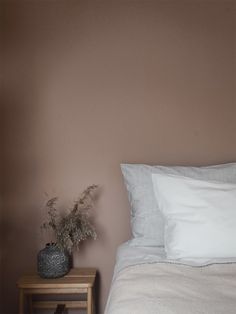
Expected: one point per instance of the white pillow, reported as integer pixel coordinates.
(146, 219)
(200, 217)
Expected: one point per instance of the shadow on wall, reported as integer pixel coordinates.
(20, 171)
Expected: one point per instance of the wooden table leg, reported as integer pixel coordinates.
(30, 302)
(21, 301)
(90, 301)
(93, 302)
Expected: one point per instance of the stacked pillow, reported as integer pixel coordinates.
(200, 217)
(158, 194)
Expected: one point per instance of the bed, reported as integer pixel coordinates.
(182, 258)
(145, 282)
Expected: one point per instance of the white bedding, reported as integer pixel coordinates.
(145, 282)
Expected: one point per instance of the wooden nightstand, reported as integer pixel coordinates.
(78, 281)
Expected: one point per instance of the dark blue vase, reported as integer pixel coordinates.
(53, 262)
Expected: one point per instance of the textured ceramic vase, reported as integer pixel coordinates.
(53, 262)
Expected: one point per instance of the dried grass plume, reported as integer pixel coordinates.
(75, 226)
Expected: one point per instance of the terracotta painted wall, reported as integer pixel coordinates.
(91, 84)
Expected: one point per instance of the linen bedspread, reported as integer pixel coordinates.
(165, 288)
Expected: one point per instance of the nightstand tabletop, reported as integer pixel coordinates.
(76, 278)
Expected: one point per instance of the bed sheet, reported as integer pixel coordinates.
(130, 254)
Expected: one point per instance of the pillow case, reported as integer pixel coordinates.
(200, 217)
(146, 219)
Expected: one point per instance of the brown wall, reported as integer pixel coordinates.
(91, 84)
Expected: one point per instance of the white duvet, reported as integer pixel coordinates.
(174, 289)
(146, 285)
